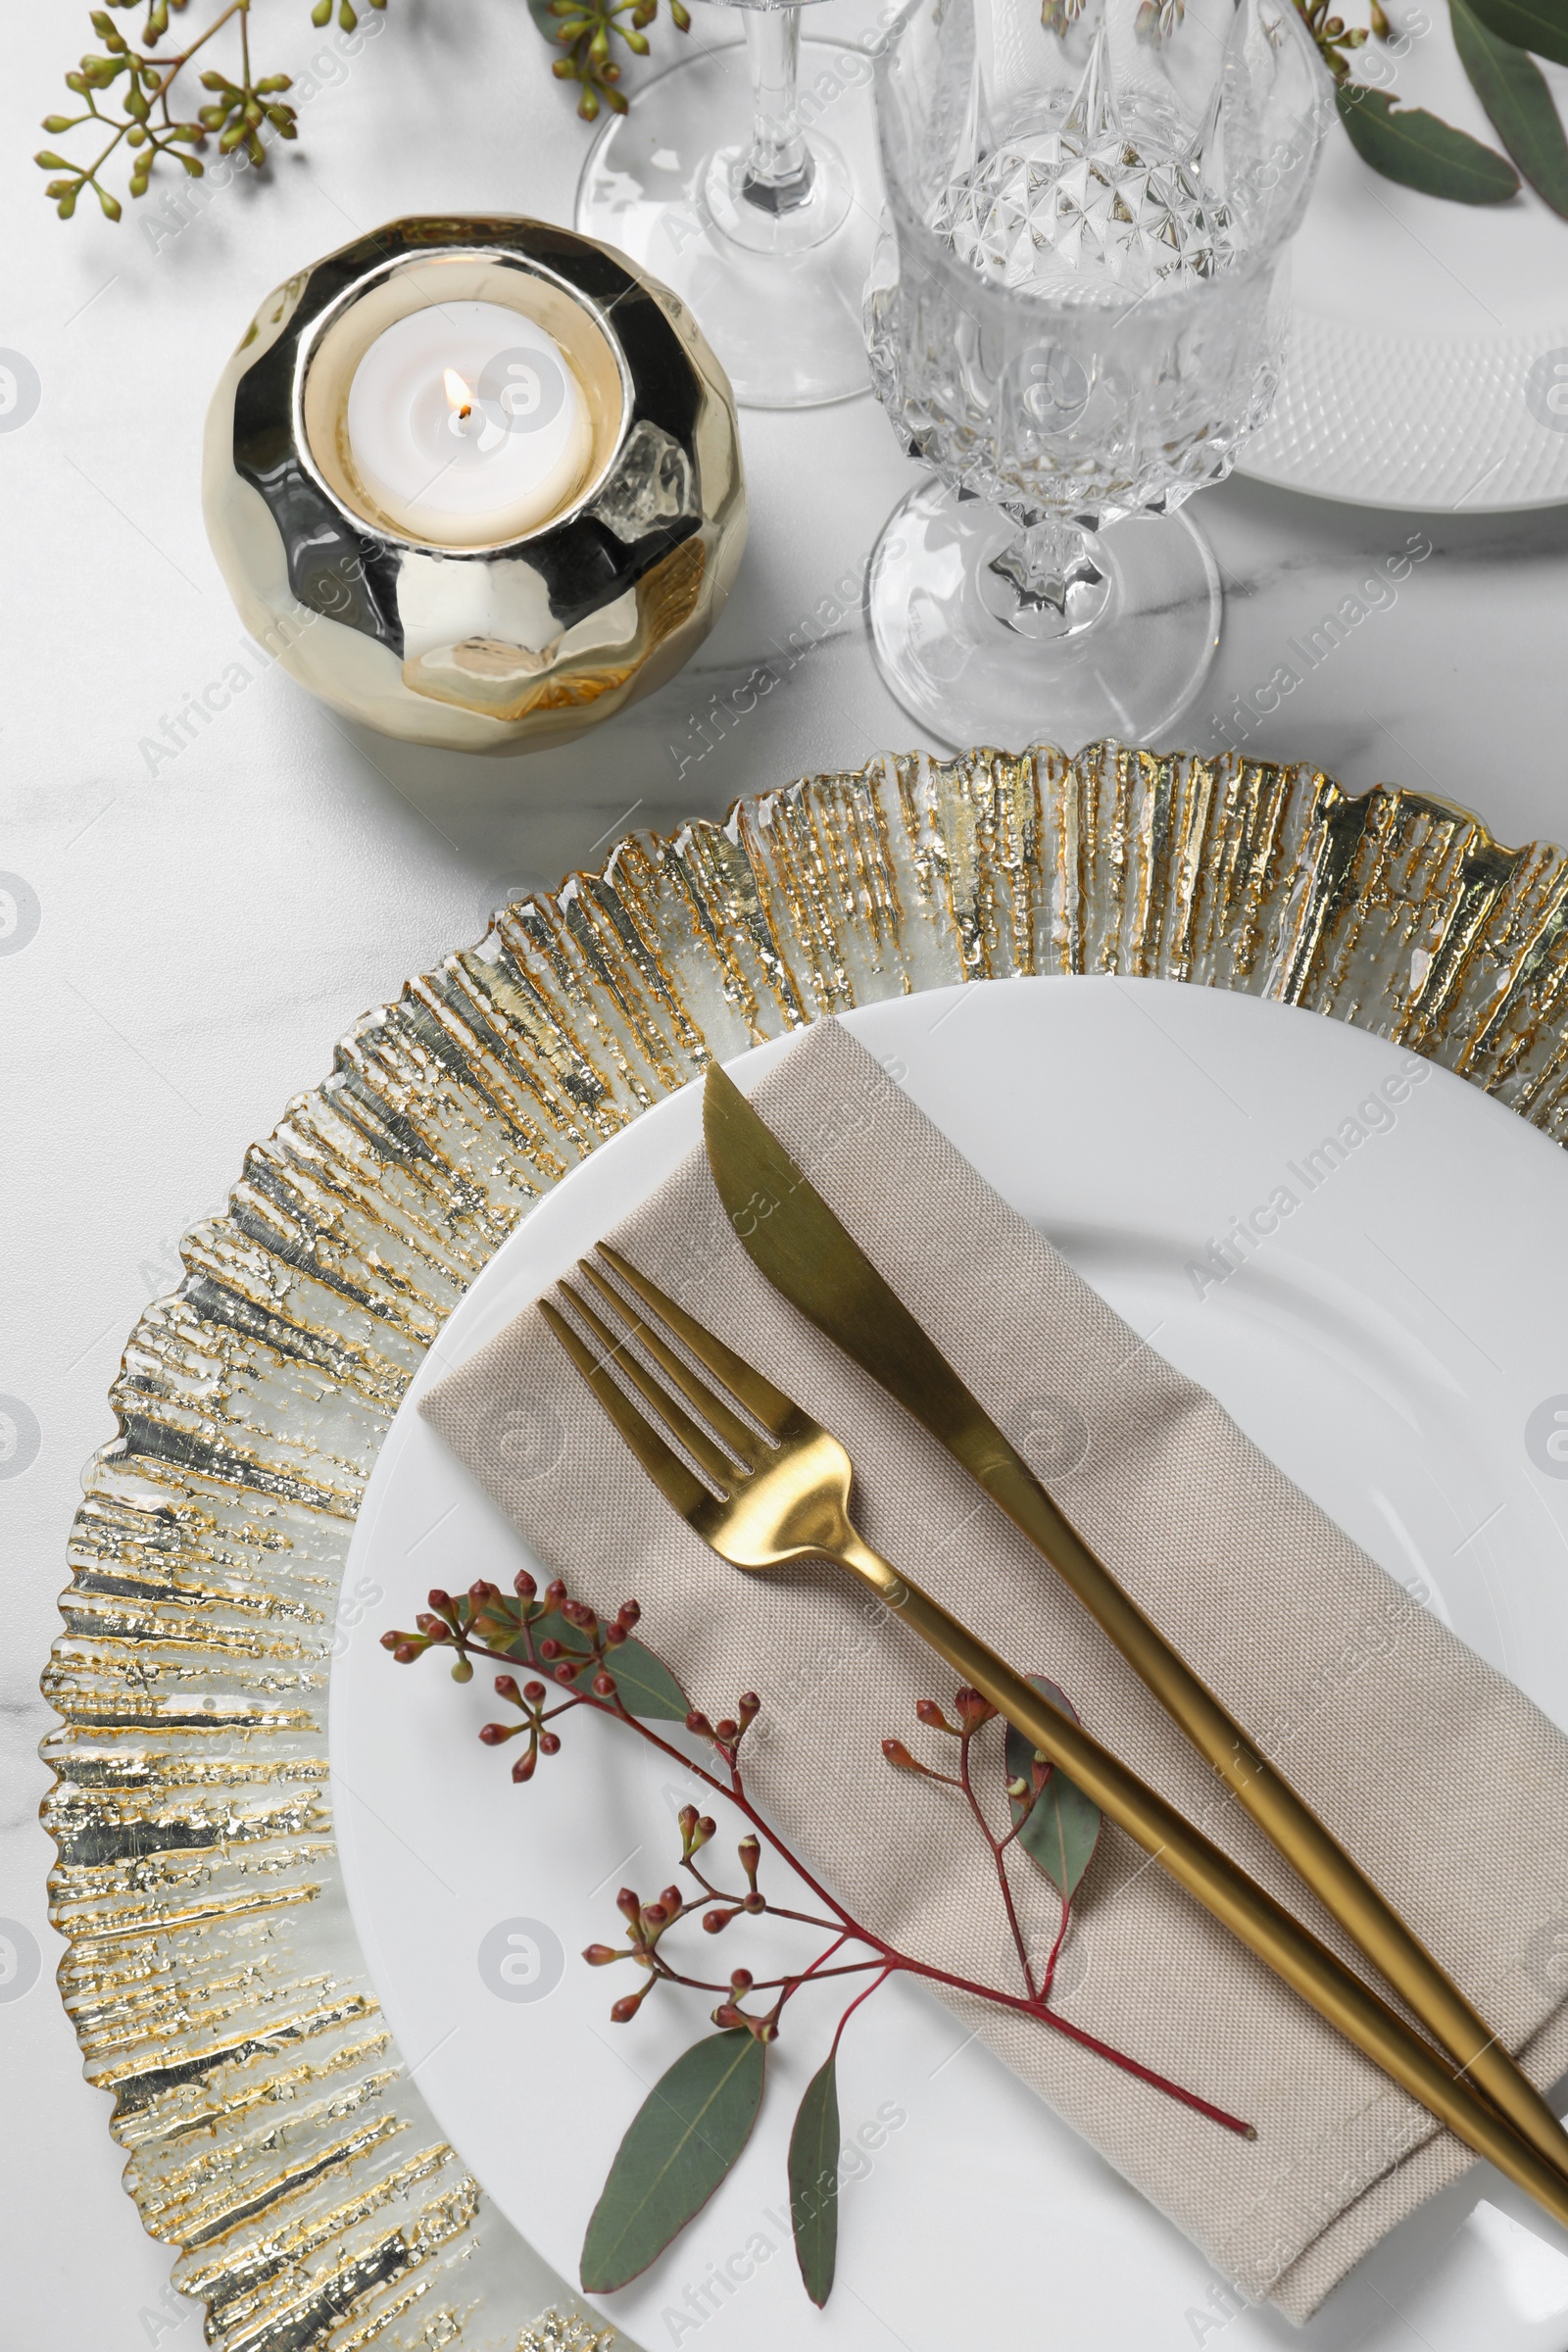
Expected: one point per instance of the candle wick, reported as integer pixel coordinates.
(460, 398)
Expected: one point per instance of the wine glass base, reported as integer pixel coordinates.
(785, 318)
(971, 675)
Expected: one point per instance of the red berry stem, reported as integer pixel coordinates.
(838, 2036)
(461, 1626)
(971, 1725)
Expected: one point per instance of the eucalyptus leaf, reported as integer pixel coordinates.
(1538, 24)
(1513, 90)
(682, 2141)
(1060, 1826)
(648, 1688)
(1420, 151)
(815, 2183)
(646, 1684)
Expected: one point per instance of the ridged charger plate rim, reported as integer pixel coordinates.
(273, 2135)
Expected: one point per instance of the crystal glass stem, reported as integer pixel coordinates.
(1054, 580)
(778, 170)
(712, 183)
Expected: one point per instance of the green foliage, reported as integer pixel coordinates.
(682, 2141)
(1538, 24)
(645, 1683)
(815, 2181)
(1058, 1827)
(1335, 39)
(127, 93)
(1421, 151)
(586, 29)
(1513, 90)
(693, 2125)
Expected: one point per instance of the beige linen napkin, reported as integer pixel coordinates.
(1443, 1781)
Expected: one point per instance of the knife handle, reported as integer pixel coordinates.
(1221, 1885)
(1312, 1850)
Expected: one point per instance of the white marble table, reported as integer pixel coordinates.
(208, 924)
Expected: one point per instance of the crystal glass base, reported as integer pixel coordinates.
(777, 293)
(975, 662)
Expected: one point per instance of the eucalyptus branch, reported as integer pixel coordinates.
(126, 93)
(588, 30)
(581, 1658)
(1336, 42)
(573, 1660)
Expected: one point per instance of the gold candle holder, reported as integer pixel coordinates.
(431, 630)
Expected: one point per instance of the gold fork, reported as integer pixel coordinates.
(766, 1501)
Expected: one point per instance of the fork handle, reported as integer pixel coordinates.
(1221, 1885)
(1339, 1884)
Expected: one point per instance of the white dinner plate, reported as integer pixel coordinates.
(1428, 361)
(1399, 1345)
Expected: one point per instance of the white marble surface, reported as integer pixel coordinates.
(207, 930)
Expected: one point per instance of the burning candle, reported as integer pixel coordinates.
(476, 481)
(467, 425)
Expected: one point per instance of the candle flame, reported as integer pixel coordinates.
(458, 396)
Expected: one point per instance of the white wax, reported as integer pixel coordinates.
(494, 473)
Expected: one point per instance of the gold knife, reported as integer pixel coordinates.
(790, 1233)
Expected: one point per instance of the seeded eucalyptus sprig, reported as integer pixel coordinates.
(588, 29)
(126, 93)
(698, 2116)
(1418, 149)
(1405, 143)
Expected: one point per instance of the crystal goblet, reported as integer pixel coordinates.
(755, 198)
(1075, 316)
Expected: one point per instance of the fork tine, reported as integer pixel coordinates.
(758, 1395)
(738, 1435)
(697, 1441)
(662, 1462)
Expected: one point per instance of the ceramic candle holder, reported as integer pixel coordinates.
(497, 647)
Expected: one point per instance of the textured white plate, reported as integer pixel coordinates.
(1425, 336)
(1389, 1346)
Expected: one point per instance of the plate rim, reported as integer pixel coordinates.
(374, 1538)
(1312, 409)
(187, 1807)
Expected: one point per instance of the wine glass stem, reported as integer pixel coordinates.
(1052, 570)
(778, 169)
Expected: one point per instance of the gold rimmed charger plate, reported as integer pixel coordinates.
(273, 2134)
